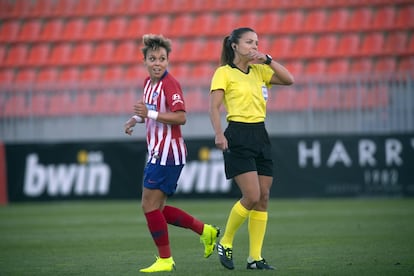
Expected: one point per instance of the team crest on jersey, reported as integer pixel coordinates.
(176, 98)
(154, 95)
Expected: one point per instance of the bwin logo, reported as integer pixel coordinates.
(90, 176)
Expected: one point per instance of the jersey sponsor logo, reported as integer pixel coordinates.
(90, 176)
(176, 98)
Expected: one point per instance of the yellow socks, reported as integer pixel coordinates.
(257, 229)
(237, 216)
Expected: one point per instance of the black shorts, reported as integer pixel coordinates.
(249, 149)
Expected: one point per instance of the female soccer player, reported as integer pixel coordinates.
(163, 109)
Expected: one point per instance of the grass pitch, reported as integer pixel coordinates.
(304, 237)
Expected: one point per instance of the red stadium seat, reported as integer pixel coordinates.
(94, 28)
(372, 44)
(69, 74)
(38, 54)
(303, 47)
(103, 53)
(202, 24)
(268, 22)
(115, 28)
(315, 20)
(60, 104)
(135, 73)
(113, 73)
(126, 52)
(9, 30)
(385, 65)
(361, 66)
(42, 8)
(211, 50)
(26, 75)
(338, 66)
(406, 64)
(189, 50)
(16, 106)
(405, 15)
(203, 71)
(291, 22)
(315, 67)
(384, 18)
(30, 30)
(39, 104)
(6, 75)
(326, 46)
(52, 30)
(16, 55)
(91, 74)
(136, 27)
(105, 7)
(60, 54)
(295, 67)
(396, 43)
(223, 24)
(410, 48)
(251, 18)
(63, 8)
(181, 25)
(73, 29)
(282, 45)
(3, 53)
(82, 53)
(361, 19)
(348, 45)
(159, 24)
(84, 8)
(337, 20)
(47, 75)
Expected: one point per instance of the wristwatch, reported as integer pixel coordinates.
(268, 59)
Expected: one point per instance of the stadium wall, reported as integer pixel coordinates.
(305, 166)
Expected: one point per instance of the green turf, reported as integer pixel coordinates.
(304, 237)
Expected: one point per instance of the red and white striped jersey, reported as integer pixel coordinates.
(165, 142)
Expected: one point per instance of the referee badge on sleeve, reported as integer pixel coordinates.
(264, 92)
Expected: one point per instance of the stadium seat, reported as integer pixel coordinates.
(84, 8)
(181, 71)
(315, 67)
(360, 20)
(135, 73)
(30, 30)
(282, 46)
(104, 7)
(202, 24)
(194, 101)
(38, 54)
(104, 103)
(125, 7)
(384, 18)
(25, 76)
(405, 15)
(281, 99)
(94, 28)
(410, 48)
(103, 53)
(251, 18)
(223, 24)
(126, 52)
(372, 44)
(52, 30)
(315, 20)
(83, 104)
(60, 104)
(348, 45)
(295, 67)
(60, 54)
(159, 24)
(326, 46)
(211, 50)
(136, 27)
(115, 28)
(42, 8)
(47, 75)
(69, 74)
(337, 20)
(406, 64)
(113, 73)
(396, 43)
(3, 53)
(181, 25)
(291, 22)
(18, 9)
(81, 53)
(189, 50)
(91, 74)
(6, 75)
(16, 55)
(303, 47)
(361, 66)
(9, 30)
(203, 72)
(385, 65)
(268, 22)
(338, 66)
(63, 8)
(16, 106)
(73, 29)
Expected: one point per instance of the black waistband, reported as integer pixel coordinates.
(259, 124)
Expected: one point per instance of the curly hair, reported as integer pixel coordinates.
(154, 42)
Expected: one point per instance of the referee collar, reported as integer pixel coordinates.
(232, 65)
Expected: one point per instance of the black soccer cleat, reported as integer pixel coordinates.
(262, 265)
(225, 256)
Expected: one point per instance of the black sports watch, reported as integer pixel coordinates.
(268, 59)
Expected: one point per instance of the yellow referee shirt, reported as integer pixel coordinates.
(245, 94)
